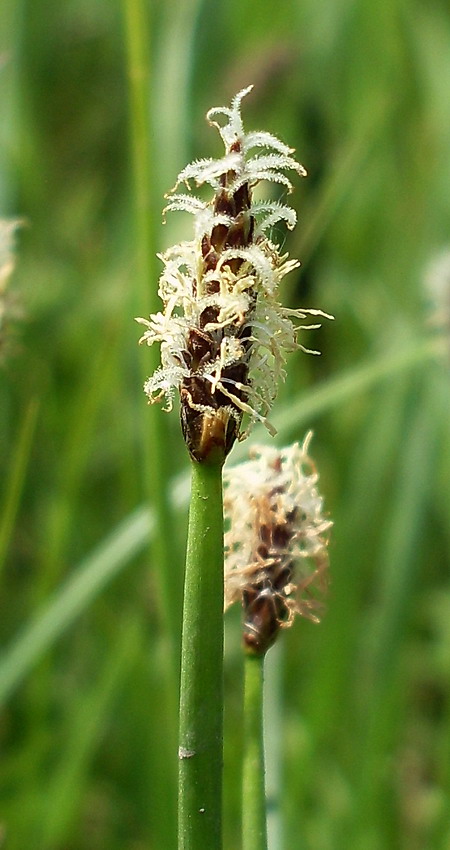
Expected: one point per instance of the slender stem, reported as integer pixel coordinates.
(201, 691)
(254, 827)
(273, 727)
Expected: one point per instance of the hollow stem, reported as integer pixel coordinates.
(201, 690)
(254, 827)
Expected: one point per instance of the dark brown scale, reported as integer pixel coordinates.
(284, 577)
(219, 237)
(261, 626)
(292, 515)
(199, 347)
(224, 400)
(187, 357)
(208, 315)
(264, 601)
(224, 204)
(205, 431)
(240, 233)
(210, 256)
(237, 236)
(265, 534)
(232, 433)
(242, 198)
(236, 372)
(206, 245)
(198, 427)
(265, 611)
(281, 536)
(195, 385)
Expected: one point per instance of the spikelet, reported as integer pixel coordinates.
(276, 546)
(223, 334)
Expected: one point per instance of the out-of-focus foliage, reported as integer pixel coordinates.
(358, 708)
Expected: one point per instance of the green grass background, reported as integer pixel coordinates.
(91, 551)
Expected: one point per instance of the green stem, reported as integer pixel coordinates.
(254, 827)
(201, 690)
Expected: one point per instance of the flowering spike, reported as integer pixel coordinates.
(222, 332)
(276, 557)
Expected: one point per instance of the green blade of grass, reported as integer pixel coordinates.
(85, 731)
(15, 482)
(146, 209)
(398, 565)
(72, 599)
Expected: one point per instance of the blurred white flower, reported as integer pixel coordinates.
(437, 290)
(276, 543)
(222, 332)
(9, 306)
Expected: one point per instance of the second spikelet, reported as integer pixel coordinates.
(276, 555)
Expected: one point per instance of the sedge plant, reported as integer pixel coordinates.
(223, 338)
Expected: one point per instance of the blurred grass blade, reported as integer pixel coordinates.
(14, 484)
(405, 516)
(85, 729)
(72, 599)
(349, 164)
(172, 97)
(155, 450)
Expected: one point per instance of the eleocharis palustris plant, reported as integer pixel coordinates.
(223, 337)
(276, 565)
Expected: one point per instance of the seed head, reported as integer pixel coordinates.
(222, 332)
(276, 556)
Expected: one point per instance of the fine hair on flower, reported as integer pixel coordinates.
(223, 334)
